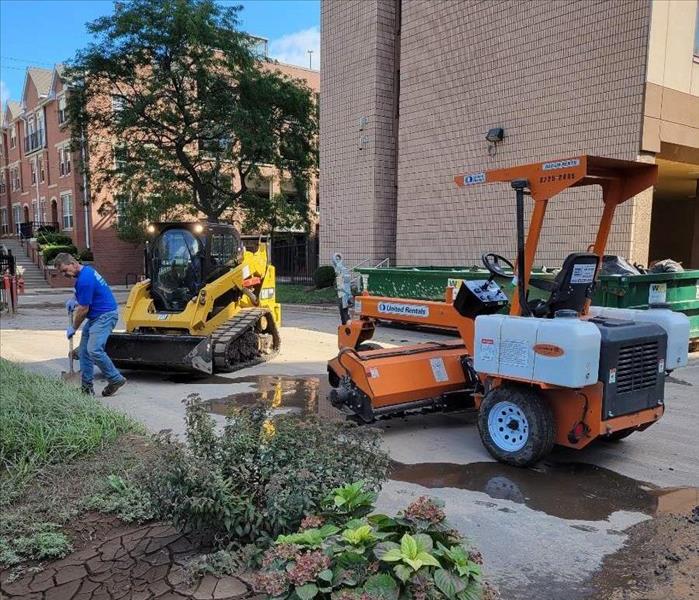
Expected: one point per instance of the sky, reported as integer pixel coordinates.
(43, 32)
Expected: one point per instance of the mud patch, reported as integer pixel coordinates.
(571, 491)
(307, 395)
(660, 560)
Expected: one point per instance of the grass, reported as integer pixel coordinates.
(293, 293)
(44, 421)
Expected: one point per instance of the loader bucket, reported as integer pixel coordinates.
(183, 353)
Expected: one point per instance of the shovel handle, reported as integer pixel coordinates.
(70, 345)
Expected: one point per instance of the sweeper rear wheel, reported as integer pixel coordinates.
(516, 425)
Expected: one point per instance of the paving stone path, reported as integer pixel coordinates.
(134, 563)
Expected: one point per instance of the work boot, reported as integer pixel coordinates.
(86, 388)
(113, 386)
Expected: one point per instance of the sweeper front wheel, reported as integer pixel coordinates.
(516, 425)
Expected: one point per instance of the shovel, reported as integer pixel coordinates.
(71, 375)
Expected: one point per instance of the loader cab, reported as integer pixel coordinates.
(183, 257)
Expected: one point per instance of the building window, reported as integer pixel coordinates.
(32, 166)
(117, 103)
(2, 183)
(121, 201)
(64, 165)
(35, 211)
(17, 216)
(4, 227)
(13, 135)
(67, 210)
(14, 179)
(62, 111)
(121, 157)
(42, 170)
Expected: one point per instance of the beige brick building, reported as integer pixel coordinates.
(410, 87)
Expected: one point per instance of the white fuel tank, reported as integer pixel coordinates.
(561, 351)
(675, 324)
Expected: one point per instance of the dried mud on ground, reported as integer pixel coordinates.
(120, 561)
(660, 561)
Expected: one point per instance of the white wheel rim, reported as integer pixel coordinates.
(508, 426)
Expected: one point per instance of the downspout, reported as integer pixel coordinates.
(86, 192)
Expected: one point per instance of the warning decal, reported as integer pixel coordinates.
(514, 353)
(439, 370)
(583, 273)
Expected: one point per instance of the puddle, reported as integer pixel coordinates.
(571, 491)
(198, 379)
(305, 395)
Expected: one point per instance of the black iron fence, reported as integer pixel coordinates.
(32, 228)
(295, 261)
(7, 263)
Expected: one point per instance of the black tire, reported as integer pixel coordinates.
(617, 436)
(369, 346)
(540, 433)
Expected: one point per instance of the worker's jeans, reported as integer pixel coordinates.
(94, 338)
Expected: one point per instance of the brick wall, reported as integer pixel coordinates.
(357, 185)
(561, 78)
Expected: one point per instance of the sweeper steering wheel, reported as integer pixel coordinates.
(491, 261)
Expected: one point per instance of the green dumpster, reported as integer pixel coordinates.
(429, 283)
(680, 291)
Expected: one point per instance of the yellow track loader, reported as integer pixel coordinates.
(207, 305)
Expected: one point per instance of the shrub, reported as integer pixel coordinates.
(86, 255)
(259, 478)
(53, 238)
(130, 502)
(44, 543)
(413, 555)
(50, 252)
(324, 277)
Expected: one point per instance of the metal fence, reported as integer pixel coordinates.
(30, 229)
(295, 262)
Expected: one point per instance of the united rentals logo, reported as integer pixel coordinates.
(409, 310)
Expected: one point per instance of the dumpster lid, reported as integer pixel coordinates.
(546, 179)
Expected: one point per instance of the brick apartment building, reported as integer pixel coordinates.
(410, 88)
(41, 183)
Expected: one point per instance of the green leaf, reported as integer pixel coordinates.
(473, 591)
(394, 555)
(326, 575)
(424, 542)
(402, 572)
(428, 560)
(307, 591)
(408, 546)
(448, 583)
(382, 585)
(382, 548)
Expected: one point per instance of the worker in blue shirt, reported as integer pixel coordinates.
(94, 304)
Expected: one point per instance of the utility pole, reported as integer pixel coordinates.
(310, 58)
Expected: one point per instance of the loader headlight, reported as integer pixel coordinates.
(198, 228)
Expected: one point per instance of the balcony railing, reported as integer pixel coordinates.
(34, 141)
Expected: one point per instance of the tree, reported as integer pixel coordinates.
(180, 113)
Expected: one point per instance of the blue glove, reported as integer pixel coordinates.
(70, 332)
(71, 303)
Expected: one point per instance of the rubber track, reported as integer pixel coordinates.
(232, 329)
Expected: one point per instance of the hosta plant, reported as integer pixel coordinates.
(346, 554)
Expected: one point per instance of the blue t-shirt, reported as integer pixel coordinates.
(92, 290)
